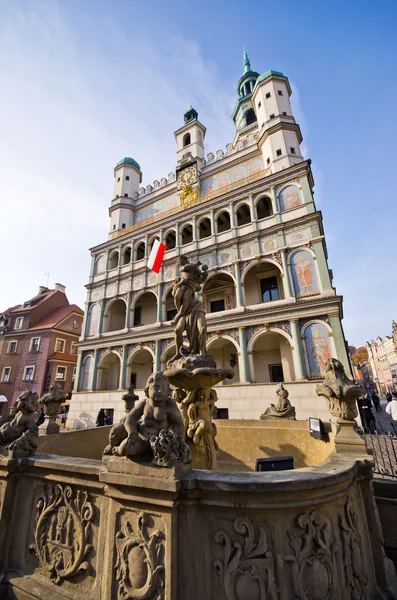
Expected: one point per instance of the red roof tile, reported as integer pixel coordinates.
(57, 315)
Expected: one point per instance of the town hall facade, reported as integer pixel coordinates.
(248, 213)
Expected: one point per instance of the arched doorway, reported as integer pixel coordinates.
(139, 367)
(263, 283)
(114, 319)
(108, 377)
(272, 360)
(145, 309)
(219, 293)
(225, 354)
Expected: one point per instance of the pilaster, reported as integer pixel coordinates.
(159, 302)
(243, 356)
(286, 278)
(339, 340)
(128, 312)
(101, 316)
(94, 383)
(239, 289)
(297, 352)
(78, 371)
(157, 359)
(123, 370)
(318, 249)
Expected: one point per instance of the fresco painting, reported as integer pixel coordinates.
(86, 371)
(318, 348)
(304, 275)
(289, 197)
(93, 320)
(100, 265)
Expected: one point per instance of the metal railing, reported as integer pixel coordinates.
(382, 444)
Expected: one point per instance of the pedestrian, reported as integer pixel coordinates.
(388, 396)
(376, 401)
(367, 418)
(391, 408)
(100, 420)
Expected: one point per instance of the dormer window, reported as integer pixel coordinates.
(18, 323)
(186, 140)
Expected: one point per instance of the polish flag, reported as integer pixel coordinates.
(156, 256)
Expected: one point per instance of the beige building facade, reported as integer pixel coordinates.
(248, 213)
(382, 356)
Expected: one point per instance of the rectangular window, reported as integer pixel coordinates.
(137, 316)
(222, 413)
(18, 323)
(118, 178)
(123, 226)
(73, 348)
(292, 150)
(60, 345)
(278, 152)
(133, 379)
(217, 305)
(75, 324)
(28, 374)
(12, 347)
(61, 373)
(125, 195)
(268, 95)
(5, 378)
(276, 373)
(285, 114)
(259, 104)
(280, 93)
(74, 373)
(34, 344)
(269, 289)
(272, 116)
(268, 161)
(127, 177)
(171, 314)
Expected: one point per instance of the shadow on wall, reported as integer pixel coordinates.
(85, 421)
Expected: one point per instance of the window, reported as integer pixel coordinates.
(137, 316)
(114, 226)
(74, 373)
(285, 114)
(12, 347)
(269, 289)
(18, 323)
(171, 314)
(118, 178)
(292, 150)
(28, 374)
(140, 251)
(123, 226)
(268, 161)
(127, 177)
(272, 116)
(125, 195)
(60, 345)
(222, 413)
(217, 305)
(35, 344)
(268, 95)
(276, 373)
(186, 140)
(278, 152)
(75, 324)
(280, 93)
(259, 104)
(61, 373)
(5, 378)
(73, 349)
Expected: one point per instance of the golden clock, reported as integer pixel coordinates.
(187, 177)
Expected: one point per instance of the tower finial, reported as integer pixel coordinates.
(246, 62)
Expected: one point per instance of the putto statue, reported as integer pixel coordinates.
(283, 408)
(339, 391)
(18, 437)
(153, 428)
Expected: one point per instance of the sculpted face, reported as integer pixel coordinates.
(158, 390)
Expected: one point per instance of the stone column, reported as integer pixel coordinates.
(243, 356)
(232, 216)
(128, 312)
(286, 279)
(161, 233)
(84, 324)
(157, 359)
(299, 363)
(159, 302)
(273, 198)
(146, 246)
(254, 220)
(339, 339)
(100, 327)
(319, 257)
(123, 369)
(239, 289)
(177, 240)
(78, 371)
(95, 371)
(251, 366)
(194, 228)
(307, 194)
(213, 224)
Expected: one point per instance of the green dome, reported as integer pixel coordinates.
(127, 160)
(269, 74)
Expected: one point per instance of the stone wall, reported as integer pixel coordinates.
(72, 529)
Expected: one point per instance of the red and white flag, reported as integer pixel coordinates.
(156, 256)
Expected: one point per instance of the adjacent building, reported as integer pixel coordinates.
(38, 344)
(248, 213)
(382, 356)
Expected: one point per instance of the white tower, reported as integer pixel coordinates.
(127, 177)
(190, 139)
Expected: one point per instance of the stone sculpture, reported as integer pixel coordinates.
(340, 392)
(282, 409)
(51, 403)
(18, 437)
(153, 428)
(118, 432)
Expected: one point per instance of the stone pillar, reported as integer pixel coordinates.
(159, 302)
(84, 324)
(123, 369)
(286, 279)
(161, 233)
(307, 194)
(100, 327)
(273, 198)
(299, 363)
(339, 339)
(251, 366)
(213, 224)
(157, 359)
(232, 216)
(177, 240)
(194, 228)
(95, 371)
(239, 289)
(128, 312)
(319, 256)
(146, 246)
(243, 356)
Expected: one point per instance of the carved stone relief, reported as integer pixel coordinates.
(63, 531)
(247, 568)
(352, 550)
(139, 566)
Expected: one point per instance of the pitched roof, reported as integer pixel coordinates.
(56, 316)
(33, 302)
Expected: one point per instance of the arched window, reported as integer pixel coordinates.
(115, 316)
(187, 235)
(204, 229)
(127, 256)
(223, 222)
(243, 215)
(153, 240)
(114, 260)
(100, 265)
(186, 140)
(250, 116)
(264, 208)
(93, 320)
(170, 240)
(86, 373)
(140, 251)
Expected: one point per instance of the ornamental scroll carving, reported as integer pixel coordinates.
(63, 531)
(247, 570)
(355, 577)
(140, 561)
(312, 560)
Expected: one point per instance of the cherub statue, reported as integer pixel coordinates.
(185, 286)
(199, 414)
(19, 434)
(118, 432)
(282, 408)
(148, 418)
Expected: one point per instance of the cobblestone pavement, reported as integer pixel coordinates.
(384, 448)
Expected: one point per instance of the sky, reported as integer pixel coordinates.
(87, 82)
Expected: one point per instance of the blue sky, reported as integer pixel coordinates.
(85, 83)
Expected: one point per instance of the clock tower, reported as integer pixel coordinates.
(190, 141)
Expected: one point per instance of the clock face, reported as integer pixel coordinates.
(187, 177)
